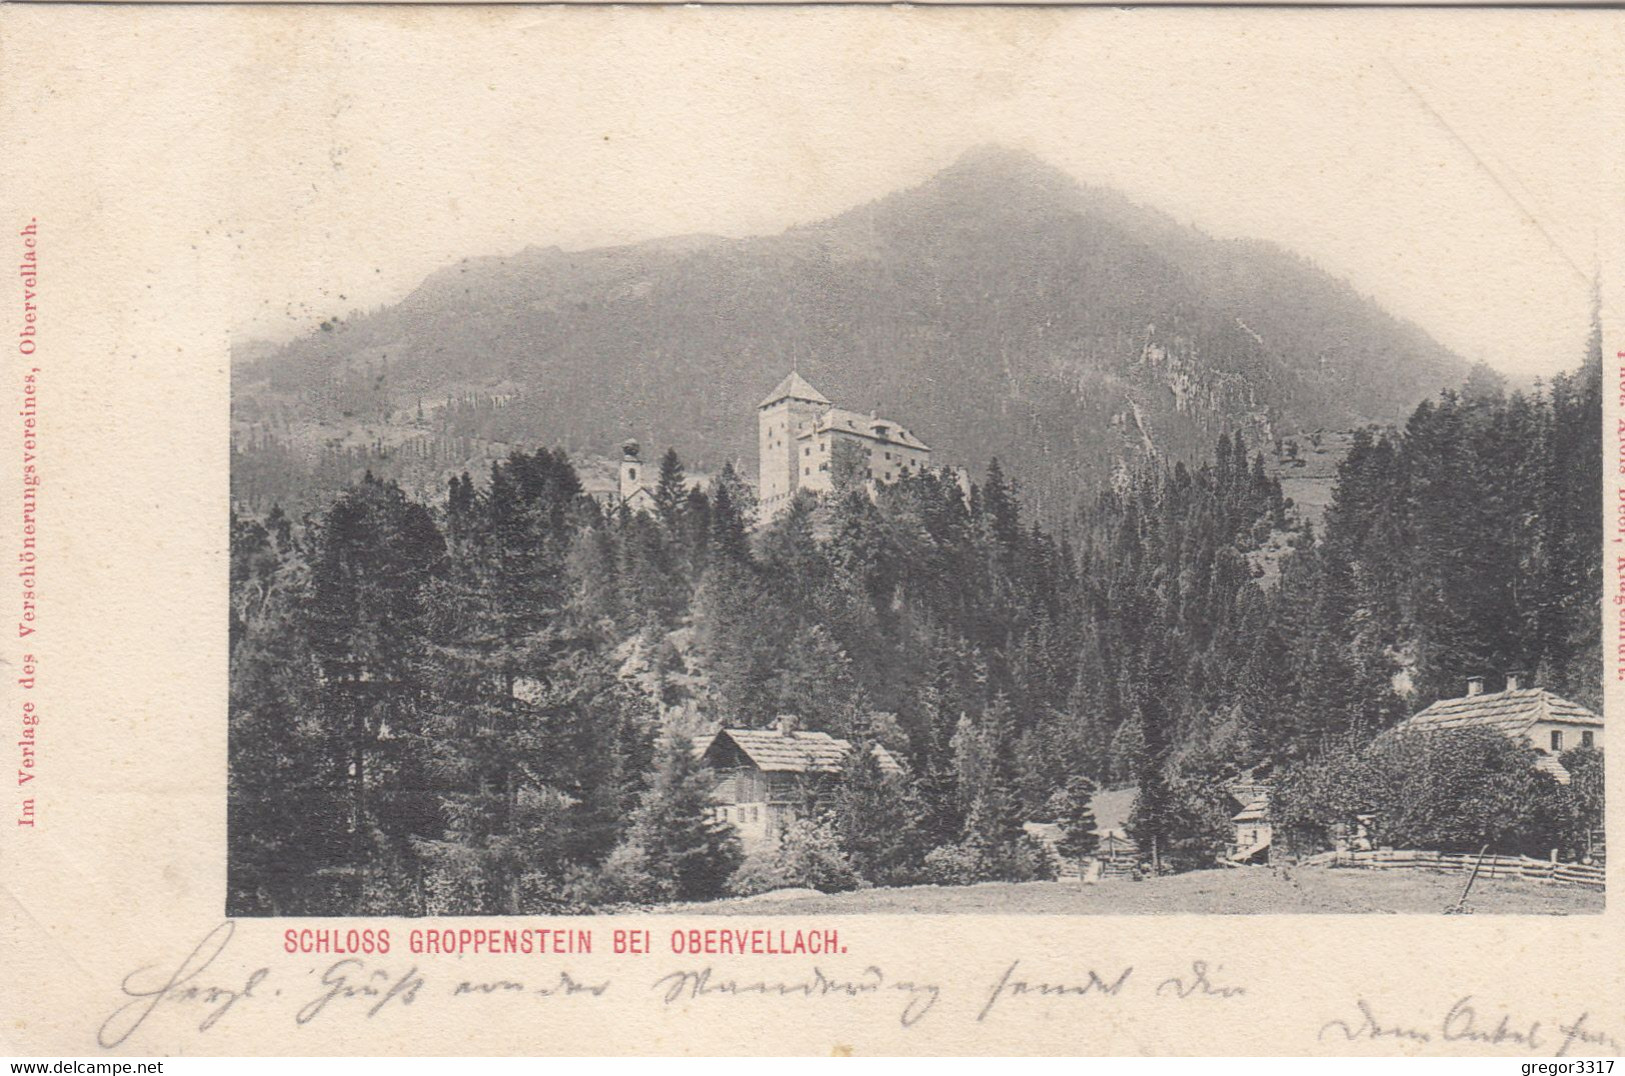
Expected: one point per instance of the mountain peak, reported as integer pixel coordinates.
(990, 156)
(1009, 166)
(1000, 308)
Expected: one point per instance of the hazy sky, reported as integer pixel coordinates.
(1465, 168)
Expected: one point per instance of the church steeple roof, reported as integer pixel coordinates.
(794, 386)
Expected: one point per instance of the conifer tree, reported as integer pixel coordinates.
(1077, 819)
(876, 819)
(671, 490)
(732, 513)
(687, 853)
(373, 555)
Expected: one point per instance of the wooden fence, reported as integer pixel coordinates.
(1545, 870)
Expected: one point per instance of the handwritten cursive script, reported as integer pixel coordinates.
(1462, 1023)
(922, 997)
(1008, 987)
(147, 991)
(1576, 1033)
(349, 978)
(1198, 984)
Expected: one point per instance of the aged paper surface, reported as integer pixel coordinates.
(262, 252)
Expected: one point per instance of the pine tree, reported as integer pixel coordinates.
(1077, 818)
(671, 490)
(733, 510)
(686, 852)
(373, 555)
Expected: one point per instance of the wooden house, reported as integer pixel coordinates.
(767, 778)
(1254, 830)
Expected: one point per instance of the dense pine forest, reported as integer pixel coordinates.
(487, 703)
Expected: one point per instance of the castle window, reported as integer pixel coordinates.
(888, 455)
(1588, 739)
(807, 451)
(806, 470)
(632, 473)
(825, 467)
(1557, 739)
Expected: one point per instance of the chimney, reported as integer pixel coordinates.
(1475, 686)
(1512, 680)
(786, 724)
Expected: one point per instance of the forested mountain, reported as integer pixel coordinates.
(478, 703)
(1000, 308)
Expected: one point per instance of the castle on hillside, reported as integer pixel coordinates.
(798, 431)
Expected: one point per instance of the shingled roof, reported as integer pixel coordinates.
(1257, 810)
(798, 752)
(1512, 713)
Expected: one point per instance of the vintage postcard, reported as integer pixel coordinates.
(807, 530)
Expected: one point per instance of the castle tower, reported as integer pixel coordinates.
(631, 472)
(789, 410)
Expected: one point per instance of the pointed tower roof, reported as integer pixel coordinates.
(794, 386)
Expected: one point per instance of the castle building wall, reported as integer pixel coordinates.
(888, 461)
(778, 429)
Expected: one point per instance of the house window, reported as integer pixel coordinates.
(888, 455)
(807, 451)
(1588, 739)
(1557, 739)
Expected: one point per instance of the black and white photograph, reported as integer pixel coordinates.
(1105, 481)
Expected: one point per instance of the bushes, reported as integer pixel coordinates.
(1449, 791)
(1586, 804)
(953, 864)
(1021, 860)
(807, 856)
